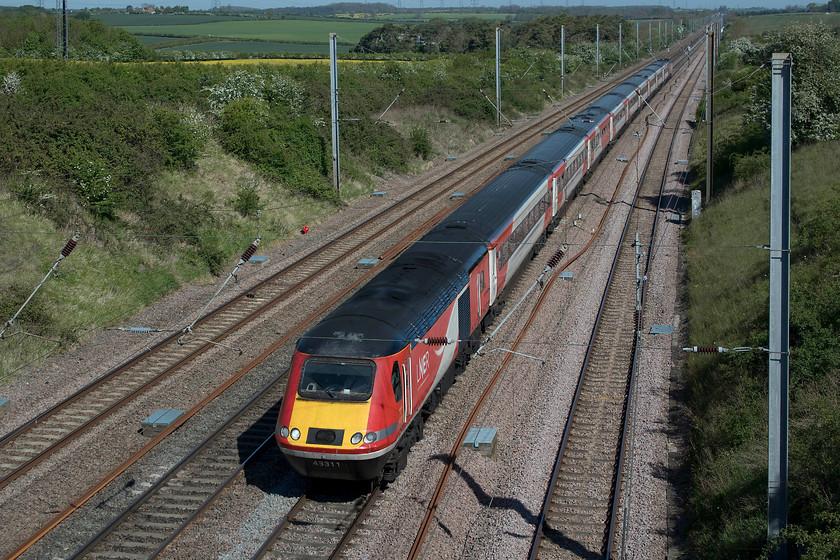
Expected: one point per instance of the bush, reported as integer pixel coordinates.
(92, 182)
(247, 200)
(288, 150)
(420, 142)
(210, 252)
(179, 146)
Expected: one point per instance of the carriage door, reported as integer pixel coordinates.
(555, 197)
(408, 401)
(494, 276)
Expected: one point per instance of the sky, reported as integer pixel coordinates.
(264, 4)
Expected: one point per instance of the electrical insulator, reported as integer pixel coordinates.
(249, 252)
(436, 341)
(70, 246)
(707, 349)
(552, 262)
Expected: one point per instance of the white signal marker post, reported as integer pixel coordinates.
(779, 355)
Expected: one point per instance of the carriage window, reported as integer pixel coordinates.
(336, 379)
(396, 382)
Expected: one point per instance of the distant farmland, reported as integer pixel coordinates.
(762, 23)
(240, 34)
(255, 47)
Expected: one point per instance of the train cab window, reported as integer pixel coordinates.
(328, 379)
(396, 382)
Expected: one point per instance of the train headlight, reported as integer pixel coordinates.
(295, 433)
(370, 437)
(284, 431)
(356, 439)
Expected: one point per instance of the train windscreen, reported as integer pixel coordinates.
(332, 379)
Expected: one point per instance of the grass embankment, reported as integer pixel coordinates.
(728, 293)
(728, 289)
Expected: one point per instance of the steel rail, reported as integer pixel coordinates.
(231, 423)
(78, 502)
(609, 524)
(355, 511)
(639, 323)
(425, 525)
(450, 462)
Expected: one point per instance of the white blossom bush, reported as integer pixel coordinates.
(11, 84)
(281, 89)
(815, 110)
(196, 122)
(267, 85)
(238, 85)
(744, 47)
(92, 183)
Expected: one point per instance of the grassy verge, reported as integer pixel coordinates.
(728, 293)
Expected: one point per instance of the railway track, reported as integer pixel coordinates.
(158, 515)
(417, 550)
(29, 444)
(320, 525)
(578, 518)
(41, 437)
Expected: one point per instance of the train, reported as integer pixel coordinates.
(363, 381)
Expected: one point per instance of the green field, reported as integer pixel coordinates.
(426, 16)
(280, 30)
(152, 40)
(127, 20)
(256, 47)
(763, 23)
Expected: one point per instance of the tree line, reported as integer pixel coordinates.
(473, 34)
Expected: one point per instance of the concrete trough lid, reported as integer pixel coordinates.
(457, 195)
(365, 264)
(4, 406)
(159, 421)
(379, 193)
(662, 329)
(258, 259)
(482, 439)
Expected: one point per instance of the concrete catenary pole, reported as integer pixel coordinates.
(620, 60)
(66, 42)
(779, 365)
(563, 60)
(710, 79)
(597, 50)
(334, 115)
(637, 39)
(498, 77)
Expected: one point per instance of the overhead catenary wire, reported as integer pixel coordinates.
(417, 241)
(68, 248)
(246, 256)
(494, 107)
